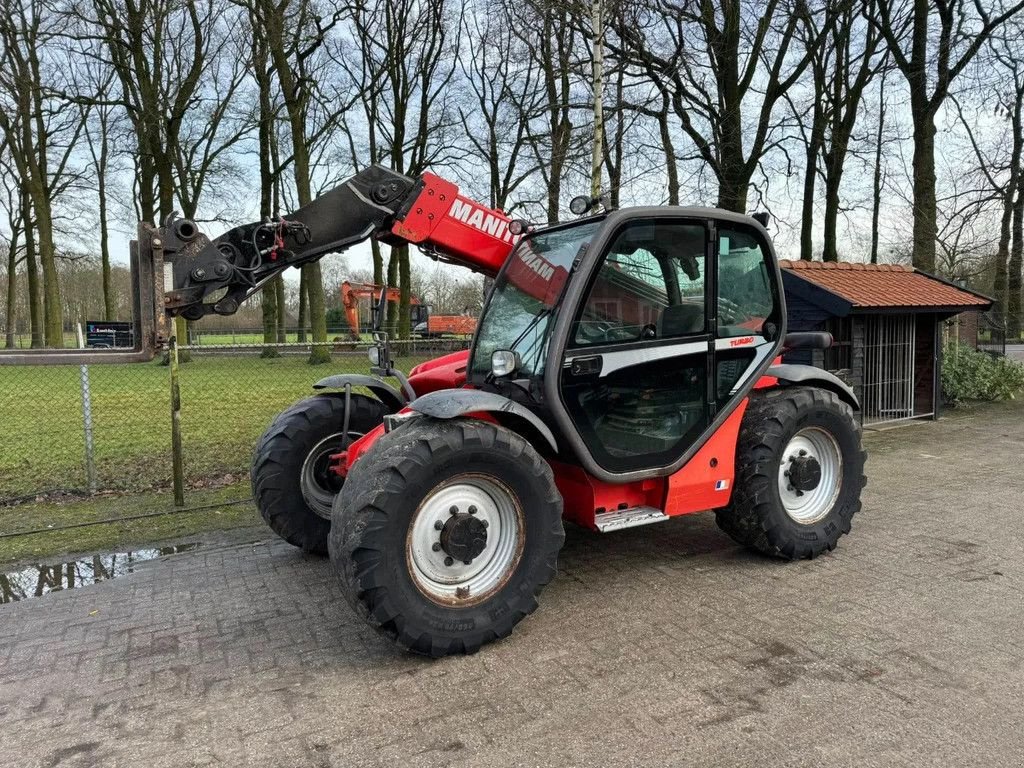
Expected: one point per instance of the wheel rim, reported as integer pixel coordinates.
(810, 475)
(318, 483)
(479, 503)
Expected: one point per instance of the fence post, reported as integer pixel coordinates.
(177, 462)
(90, 456)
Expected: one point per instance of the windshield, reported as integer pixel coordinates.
(525, 294)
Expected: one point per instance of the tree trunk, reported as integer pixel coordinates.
(732, 192)
(282, 335)
(925, 206)
(392, 282)
(378, 262)
(813, 149)
(109, 309)
(1003, 256)
(597, 22)
(1013, 301)
(32, 274)
(303, 306)
(53, 326)
(670, 155)
(12, 289)
(876, 188)
(833, 180)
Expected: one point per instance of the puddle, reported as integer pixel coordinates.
(39, 580)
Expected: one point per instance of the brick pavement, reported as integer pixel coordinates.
(663, 645)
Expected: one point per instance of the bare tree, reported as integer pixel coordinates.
(545, 29)
(843, 63)
(41, 136)
(410, 51)
(506, 91)
(931, 43)
(716, 64)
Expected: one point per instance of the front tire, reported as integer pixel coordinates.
(799, 473)
(291, 482)
(445, 534)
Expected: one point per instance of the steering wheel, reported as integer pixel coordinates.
(603, 332)
(730, 313)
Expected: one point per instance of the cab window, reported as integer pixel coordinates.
(745, 299)
(649, 286)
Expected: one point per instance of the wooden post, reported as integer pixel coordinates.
(177, 460)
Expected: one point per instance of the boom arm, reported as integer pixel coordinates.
(203, 276)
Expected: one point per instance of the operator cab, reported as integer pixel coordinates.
(657, 320)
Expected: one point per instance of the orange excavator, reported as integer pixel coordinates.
(424, 324)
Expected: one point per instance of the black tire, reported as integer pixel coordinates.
(373, 518)
(281, 452)
(756, 516)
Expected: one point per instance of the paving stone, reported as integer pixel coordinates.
(663, 645)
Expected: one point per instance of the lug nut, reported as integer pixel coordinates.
(472, 509)
(803, 453)
(437, 546)
(483, 523)
(467, 562)
(438, 525)
(449, 561)
(453, 510)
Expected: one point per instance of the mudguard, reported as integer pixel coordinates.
(808, 374)
(452, 403)
(387, 394)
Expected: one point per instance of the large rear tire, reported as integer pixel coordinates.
(291, 483)
(799, 473)
(445, 534)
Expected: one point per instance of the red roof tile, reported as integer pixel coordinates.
(883, 285)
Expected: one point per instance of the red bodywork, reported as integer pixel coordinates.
(705, 482)
(463, 231)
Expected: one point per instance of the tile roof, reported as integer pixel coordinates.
(883, 285)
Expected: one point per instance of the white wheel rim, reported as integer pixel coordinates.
(442, 578)
(810, 506)
(318, 496)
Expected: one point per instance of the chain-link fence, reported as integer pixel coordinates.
(86, 429)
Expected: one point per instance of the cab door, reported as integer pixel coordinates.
(647, 366)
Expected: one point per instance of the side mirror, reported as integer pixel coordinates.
(504, 362)
(762, 218)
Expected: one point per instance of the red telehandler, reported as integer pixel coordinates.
(626, 369)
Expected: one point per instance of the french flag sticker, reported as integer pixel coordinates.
(722, 485)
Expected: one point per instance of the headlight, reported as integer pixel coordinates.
(504, 362)
(374, 354)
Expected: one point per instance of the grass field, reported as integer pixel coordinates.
(227, 402)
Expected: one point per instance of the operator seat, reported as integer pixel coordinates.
(680, 320)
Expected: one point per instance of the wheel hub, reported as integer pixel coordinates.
(465, 540)
(810, 475)
(464, 537)
(804, 473)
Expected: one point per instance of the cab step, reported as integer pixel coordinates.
(629, 517)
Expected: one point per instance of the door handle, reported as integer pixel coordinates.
(585, 366)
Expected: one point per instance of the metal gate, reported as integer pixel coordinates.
(889, 368)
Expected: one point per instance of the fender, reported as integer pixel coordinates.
(387, 394)
(452, 403)
(807, 374)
